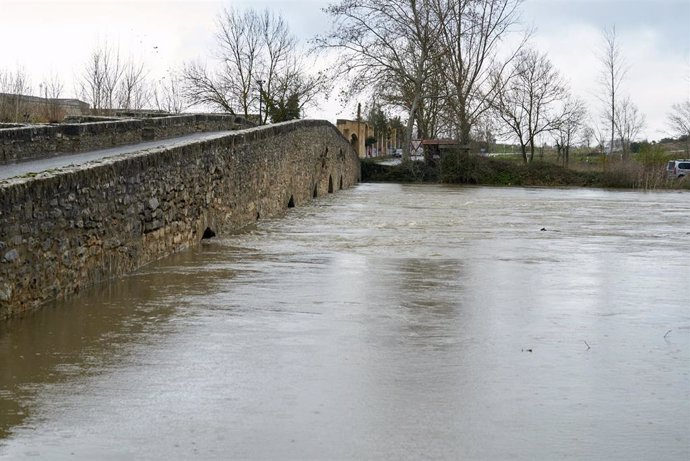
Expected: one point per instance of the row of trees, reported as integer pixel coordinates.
(464, 69)
(15, 108)
(257, 65)
(110, 81)
(436, 60)
(106, 82)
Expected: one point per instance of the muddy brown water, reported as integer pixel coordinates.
(384, 322)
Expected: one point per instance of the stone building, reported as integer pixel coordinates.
(23, 108)
(357, 133)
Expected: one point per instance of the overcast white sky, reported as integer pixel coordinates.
(47, 36)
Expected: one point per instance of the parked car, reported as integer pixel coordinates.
(678, 168)
(397, 153)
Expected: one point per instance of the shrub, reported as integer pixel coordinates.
(647, 172)
(463, 168)
(407, 171)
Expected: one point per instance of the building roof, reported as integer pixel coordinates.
(440, 142)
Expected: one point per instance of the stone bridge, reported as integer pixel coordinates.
(63, 230)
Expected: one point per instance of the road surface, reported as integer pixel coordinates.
(70, 159)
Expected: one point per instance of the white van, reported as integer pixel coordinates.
(678, 168)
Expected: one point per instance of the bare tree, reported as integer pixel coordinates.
(51, 90)
(100, 77)
(280, 66)
(6, 79)
(239, 37)
(588, 135)
(386, 46)
(258, 63)
(22, 85)
(14, 84)
(528, 98)
(6, 102)
(471, 32)
(110, 82)
(201, 86)
(291, 84)
(167, 95)
(600, 135)
(679, 122)
(92, 80)
(133, 91)
(571, 122)
(629, 123)
(113, 71)
(484, 132)
(430, 118)
(613, 71)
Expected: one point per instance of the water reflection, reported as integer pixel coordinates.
(384, 322)
(93, 333)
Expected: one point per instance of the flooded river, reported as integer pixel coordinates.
(384, 322)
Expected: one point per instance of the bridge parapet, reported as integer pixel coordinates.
(64, 230)
(22, 143)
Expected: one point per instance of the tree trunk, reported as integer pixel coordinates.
(465, 128)
(567, 155)
(408, 129)
(531, 151)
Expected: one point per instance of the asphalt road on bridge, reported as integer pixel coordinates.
(72, 159)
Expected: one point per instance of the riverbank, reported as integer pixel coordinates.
(478, 170)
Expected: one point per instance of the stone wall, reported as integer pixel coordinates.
(64, 230)
(179, 125)
(36, 141)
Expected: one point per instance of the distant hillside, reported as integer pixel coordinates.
(675, 146)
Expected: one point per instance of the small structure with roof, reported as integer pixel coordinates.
(435, 149)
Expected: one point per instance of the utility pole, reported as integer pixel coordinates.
(359, 128)
(261, 95)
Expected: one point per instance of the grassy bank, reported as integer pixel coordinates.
(477, 170)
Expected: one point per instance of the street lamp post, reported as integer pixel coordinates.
(261, 92)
